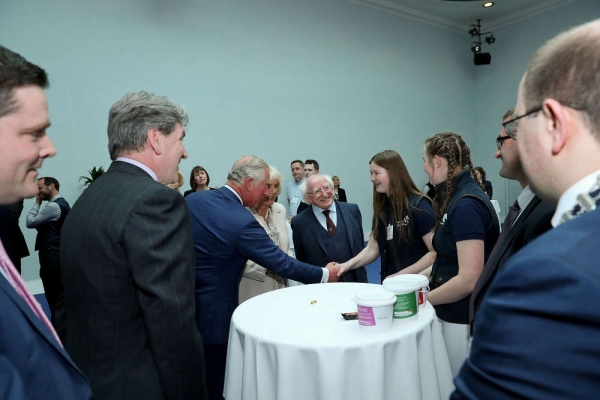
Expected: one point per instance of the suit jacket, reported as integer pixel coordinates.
(10, 231)
(128, 270)
(256, 280)
(342, 195)
(533, 221)
(33, 365)
(226, 235)
(536, 335)
(487, 188)
(301, 207)
(310, 249)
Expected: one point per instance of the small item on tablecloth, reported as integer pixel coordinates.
(350, 316)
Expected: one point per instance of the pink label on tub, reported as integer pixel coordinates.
(365, 316)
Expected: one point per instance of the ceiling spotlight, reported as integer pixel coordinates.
(488, 4)
(475, 47)
(490, 39)
(473, 31)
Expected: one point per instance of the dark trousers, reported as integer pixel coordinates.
(215, 356)
(50, 274)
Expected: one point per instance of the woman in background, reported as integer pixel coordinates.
(403, 220)
(465, 233)
(480, 178)
(199, 180)
(338, 193)
(271, 216)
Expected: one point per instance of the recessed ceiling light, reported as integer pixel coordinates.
(488, 4)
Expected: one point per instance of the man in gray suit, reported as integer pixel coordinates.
(329, 231)
(127, 264)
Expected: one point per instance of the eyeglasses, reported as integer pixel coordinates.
(500, 140)
(320, 191)
(511, 125)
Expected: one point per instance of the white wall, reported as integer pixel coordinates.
(282, 79)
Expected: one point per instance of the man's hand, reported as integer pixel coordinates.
(333, 272)
(38, 198)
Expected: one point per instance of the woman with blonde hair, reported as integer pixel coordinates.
(271, 215)
(465, 233)
(403, 218)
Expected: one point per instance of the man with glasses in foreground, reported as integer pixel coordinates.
(527, 219)
(329, 230)
(536, 334)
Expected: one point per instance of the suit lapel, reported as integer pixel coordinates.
(345, 218)
(33, 319)
(315, 228)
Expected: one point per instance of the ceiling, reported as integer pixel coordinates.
(457, 15)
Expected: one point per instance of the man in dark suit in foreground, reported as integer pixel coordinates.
(33, 363)
(128, 264)
(532, 220)
(226, 235)
(318, 241)
(536, 334)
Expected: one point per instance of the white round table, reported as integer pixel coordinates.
(294, 344)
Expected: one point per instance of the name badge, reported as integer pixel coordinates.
(390, 232)
(294, 200)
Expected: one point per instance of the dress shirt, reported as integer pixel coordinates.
(51, 212)
(569, 198)
(292, 190)
(322, 218)
(139, 165)
(523, 200)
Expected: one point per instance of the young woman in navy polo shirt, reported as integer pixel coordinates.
(403, 220)
(464, 235)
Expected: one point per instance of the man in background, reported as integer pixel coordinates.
(311, 167)
(128, 263)
(292, 188)
(33, 363)
(49, 221)
(536, 334)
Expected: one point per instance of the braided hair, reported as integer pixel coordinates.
(453, 148)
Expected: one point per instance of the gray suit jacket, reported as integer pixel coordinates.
(127, 263)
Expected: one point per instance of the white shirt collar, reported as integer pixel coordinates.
(319, 210)
(234, 192)
(569, 198)
(140, 165)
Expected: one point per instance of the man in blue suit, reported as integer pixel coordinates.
(321, 239)
(536, 334)
(226, 235)
(33, 363)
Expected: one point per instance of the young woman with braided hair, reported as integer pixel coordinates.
(465, 233)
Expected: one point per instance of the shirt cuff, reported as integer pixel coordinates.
(325, 277)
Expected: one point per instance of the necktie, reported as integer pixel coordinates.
(492, 260)
(17, 282)
(330, 224)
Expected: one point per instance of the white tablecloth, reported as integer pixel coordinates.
(283, 347)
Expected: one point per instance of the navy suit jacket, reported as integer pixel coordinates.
(226, 235)
(536, 334)
(310, 249)
(128, 269)
(533, 221)
(32, 363)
